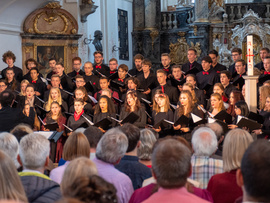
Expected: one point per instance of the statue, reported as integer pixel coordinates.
(97, 41)
(215, 13)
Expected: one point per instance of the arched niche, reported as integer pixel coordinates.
(50, 32)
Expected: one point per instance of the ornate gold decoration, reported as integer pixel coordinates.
(267, 38)
(178, 51)
(236, 40)
(154, 34)
(74, 49)
(27, 48)
(53, 5)
(30, 30)
(218, 3)
(195, 30)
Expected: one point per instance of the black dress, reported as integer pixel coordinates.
(98, 117)
(88, 109)
(157, 117)
(75, 124)
(141, 122)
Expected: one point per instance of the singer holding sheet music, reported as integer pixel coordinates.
(55, 96)
(78, 119)
(132, 104)
(104, 109)
(162, 111)
(187, 106)
(241, 109)
(53, 116)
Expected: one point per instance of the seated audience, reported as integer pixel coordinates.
(110, 149)
(171, 168)
(11, 186)
(235, 144)
(204, 144)
(20, 131)
(93, 134)
(75, 146)
(130, 164)
(148, 139)
(34, 157)
(254, 174)
(9, 144)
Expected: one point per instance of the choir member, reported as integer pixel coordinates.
(39, 85)
(166, 63)
(148, 79)
(55, 96)
(3, 85)
(90, 77)
(52, 65)
(265, 74)
(22, 92)
(79, 117)
(190, 78)
(30, 98)
(132, 83)
(11, 81)
(192, 63)
(264, 93)
(218, 88)
(122, 73)
(162, 111)
(238, 80)
(80, 93)
(165, 87)
(113, 64)
(9, 58)
(26, 111)
(138, 59)
(177, 75)
(132, 104)
(264, 132)
(235, 96)
(225, 78)
(56, 82)
(186, 108)
(53, 116)
(76, 64)
(104, 109)
(236, 55)
(30, 63)
(215, 65)
(99, 66)
(104, 84)
(79, 81)
(241, 109)
(66, 81)
(189, 87)
(208, 77)
(217, 109)
(263, 53)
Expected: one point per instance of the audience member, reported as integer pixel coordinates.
(93, 134)
(76, 145)
(130, 164)
(235, 145)
(204, 144)
(110, 149)
(20, 131)
(34, 157)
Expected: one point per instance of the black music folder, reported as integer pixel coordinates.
(104, 124)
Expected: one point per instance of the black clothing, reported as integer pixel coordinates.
(88, 109)
(134, 72)
(188, 66)
(94, 81)
(260, 66)
(17, 71)
(40, 190)
(136, 171)
(200, 96)
(157, 117)
(170, 91)
(67, 83)
(21, 104)
(73, 74)
(238, 80)
(141, 122)
(232, 70)
(39, 86)
(103, 69)
(75, 124)
(228, 89)
(218, 68)
(167, 70)
(11, 117)
(206, 81)
(224, 116)
(98, 117)
(28, 77)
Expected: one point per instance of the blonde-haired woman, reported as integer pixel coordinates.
(77, 145)
(11, 187)
(235, 144)
(23, 86)
(79, 167)
(264, 93)
(217, 109)
(55, 95)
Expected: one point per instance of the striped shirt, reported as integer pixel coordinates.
(203, 168)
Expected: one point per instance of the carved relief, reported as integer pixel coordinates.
(178, 51)
(51, 20)
(251, 24)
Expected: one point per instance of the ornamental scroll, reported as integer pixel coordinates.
(50, 20)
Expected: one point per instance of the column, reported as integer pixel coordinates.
(138, 14)
(201, 10)
(251, 92)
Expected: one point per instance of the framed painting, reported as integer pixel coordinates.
(43, 53)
